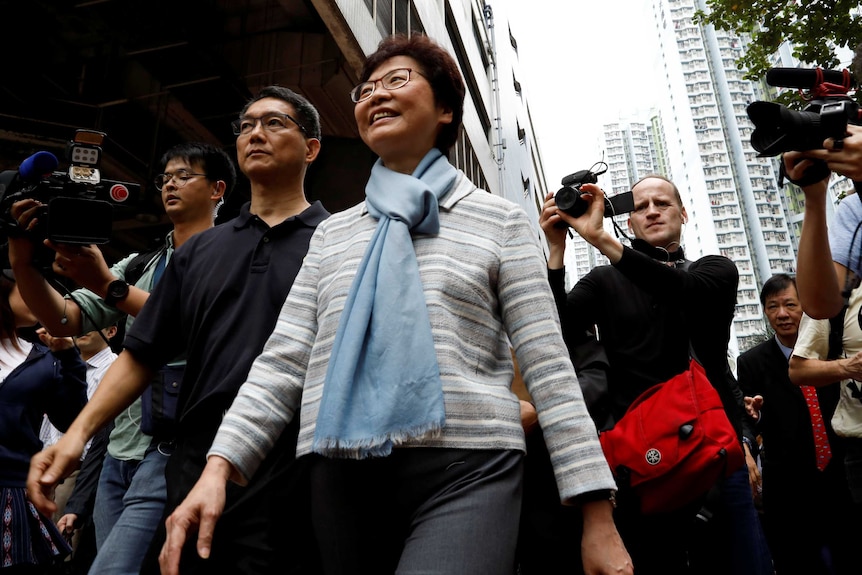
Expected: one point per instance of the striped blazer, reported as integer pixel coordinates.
(485, 282)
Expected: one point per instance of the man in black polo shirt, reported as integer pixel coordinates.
(219, 298)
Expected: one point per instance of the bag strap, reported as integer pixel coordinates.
(836, 324)
(836, 329)
(138, 264)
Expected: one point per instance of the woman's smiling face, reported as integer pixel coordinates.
(401, 125)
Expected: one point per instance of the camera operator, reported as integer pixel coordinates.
(820, 282)
(651, 307)
(131, 494)
(829, 266)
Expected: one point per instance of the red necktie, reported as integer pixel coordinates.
(822, 451)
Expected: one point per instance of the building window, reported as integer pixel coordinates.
(395, 16)
(481, 43)
(463, 157)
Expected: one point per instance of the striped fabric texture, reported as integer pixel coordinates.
(485, 281)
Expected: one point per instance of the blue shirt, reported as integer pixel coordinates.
(845, 235)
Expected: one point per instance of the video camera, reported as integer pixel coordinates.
(568, 198)
(779, 129)
(78, 204)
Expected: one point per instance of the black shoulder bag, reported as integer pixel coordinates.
(160, 398)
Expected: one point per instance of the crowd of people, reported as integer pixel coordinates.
(307, 393)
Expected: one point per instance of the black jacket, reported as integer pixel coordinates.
(45, 383)
(646, 314)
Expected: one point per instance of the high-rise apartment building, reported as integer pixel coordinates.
(699, 136)
(731, 195)
(629, 152)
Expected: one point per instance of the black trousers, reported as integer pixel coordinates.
(265, 528)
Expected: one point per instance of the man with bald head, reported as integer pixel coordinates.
(653, 310)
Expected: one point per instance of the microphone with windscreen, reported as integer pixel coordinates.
(779, 129)
(37, 166)
(807, 78)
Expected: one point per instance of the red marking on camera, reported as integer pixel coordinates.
(119, 193)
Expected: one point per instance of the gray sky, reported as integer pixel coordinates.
(584, 63)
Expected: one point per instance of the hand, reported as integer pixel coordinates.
(199, 512)
(589, 225)
(49, 467)
(85, 265)
(25, 211)
(529, 417)
(795, 166)
(753, 405)
(853, 366)
(54, 343)
(555, 231)
(844, 158)
(21, 247)
(602, 549)
(754, 478)
(552, 224)
(66, 524)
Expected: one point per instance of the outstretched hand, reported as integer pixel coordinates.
(602, 549)
(55, 344)
(198, 513)
(753, 405)
(49, 467)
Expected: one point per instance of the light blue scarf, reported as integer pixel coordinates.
(383, 383)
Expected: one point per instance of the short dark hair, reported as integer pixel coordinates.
(215, 162)
(777, 283)
(666, 179)
(438, 67)
(306, 113)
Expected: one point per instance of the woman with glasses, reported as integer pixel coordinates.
(393, 348)
(47, 377)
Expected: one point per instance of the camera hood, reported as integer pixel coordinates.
(778, 129)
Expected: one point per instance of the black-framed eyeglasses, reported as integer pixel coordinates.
(271, 122)
(392, 80)
(180, 178)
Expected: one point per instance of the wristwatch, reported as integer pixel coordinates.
(118, 290)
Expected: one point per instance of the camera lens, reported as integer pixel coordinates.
(569, 200)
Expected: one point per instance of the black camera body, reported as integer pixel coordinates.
(779, 129)
(78, 205)
(568, 198)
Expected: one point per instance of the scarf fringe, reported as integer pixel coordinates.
(377, 446)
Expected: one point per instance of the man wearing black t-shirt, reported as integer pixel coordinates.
(219, 298)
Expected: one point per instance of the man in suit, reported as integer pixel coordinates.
(802, 502)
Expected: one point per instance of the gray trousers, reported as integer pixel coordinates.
(420, 511)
